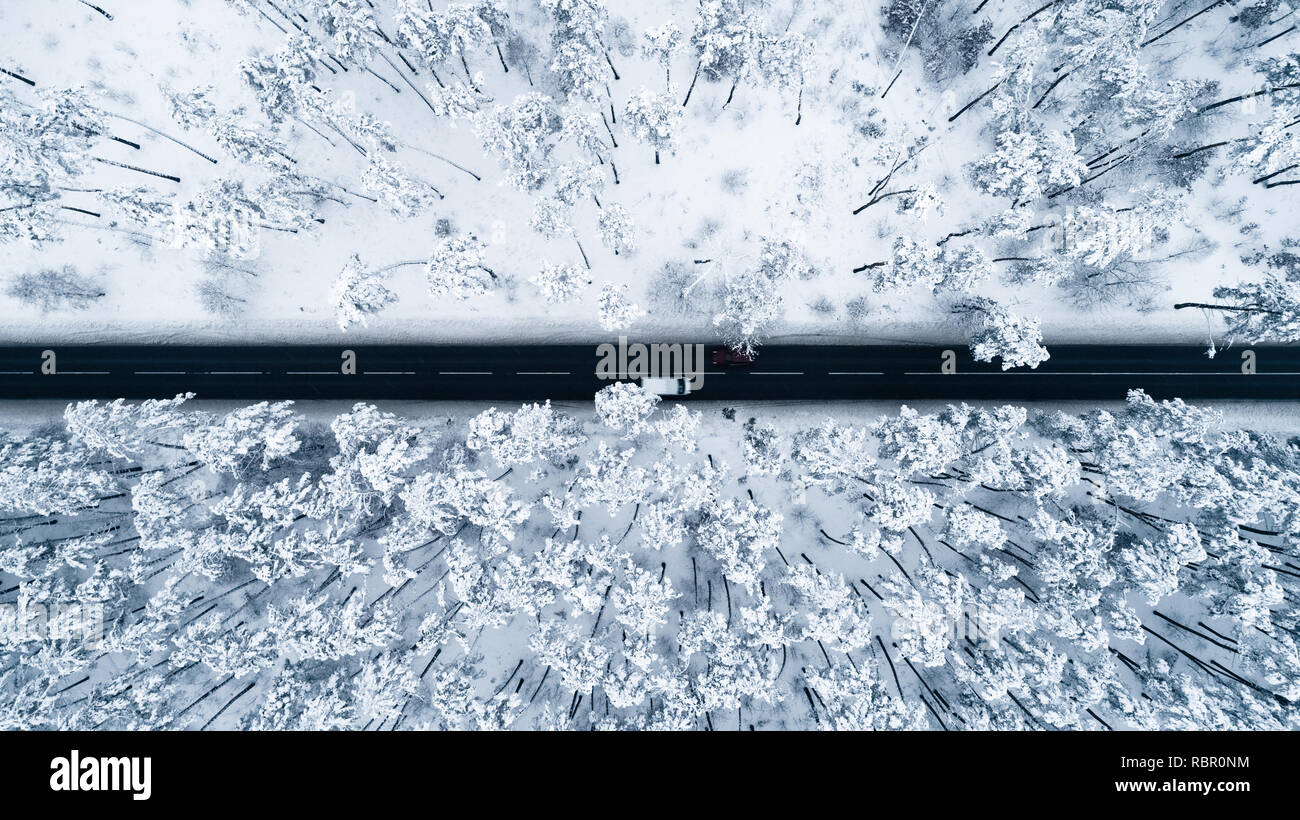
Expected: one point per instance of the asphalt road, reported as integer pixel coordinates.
(536, 372)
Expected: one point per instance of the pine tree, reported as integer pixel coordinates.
(752, 298)
(456, 268)
(354, 33)
(998, 333)
(616, 310)
(533, 434)
(617, 231)
(358, 293)
(655, 119)
(403, 195)
(578, 54)
(661, 44)
(1028, 164)
(725, 38)
(783, 61)
(575, 182)
(560, 283)
(522, 135)
(626, 408)
(1263, 311)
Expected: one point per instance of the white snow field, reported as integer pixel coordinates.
(1092, 120)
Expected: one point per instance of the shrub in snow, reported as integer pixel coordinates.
(215, 297)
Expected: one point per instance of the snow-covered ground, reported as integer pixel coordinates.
(789, 160)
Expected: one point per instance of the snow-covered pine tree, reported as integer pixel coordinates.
(661, 44)
(617, 231)
(655, 119)
(996, 332)
(560, 283)
(358, 293)
(579, 57)
(457, 268)
(522, 135)
(616, 310)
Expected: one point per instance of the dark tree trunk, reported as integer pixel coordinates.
(732, 93)
(695, 77)
(1236, 308)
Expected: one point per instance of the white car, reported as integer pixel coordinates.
(667, 386)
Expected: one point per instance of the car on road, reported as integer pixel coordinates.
(667, 386)
(728, 357)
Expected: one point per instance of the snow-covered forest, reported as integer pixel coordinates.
(1003, 174)
(985, 171)
(644, 566)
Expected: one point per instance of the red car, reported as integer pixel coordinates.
(727, 356)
